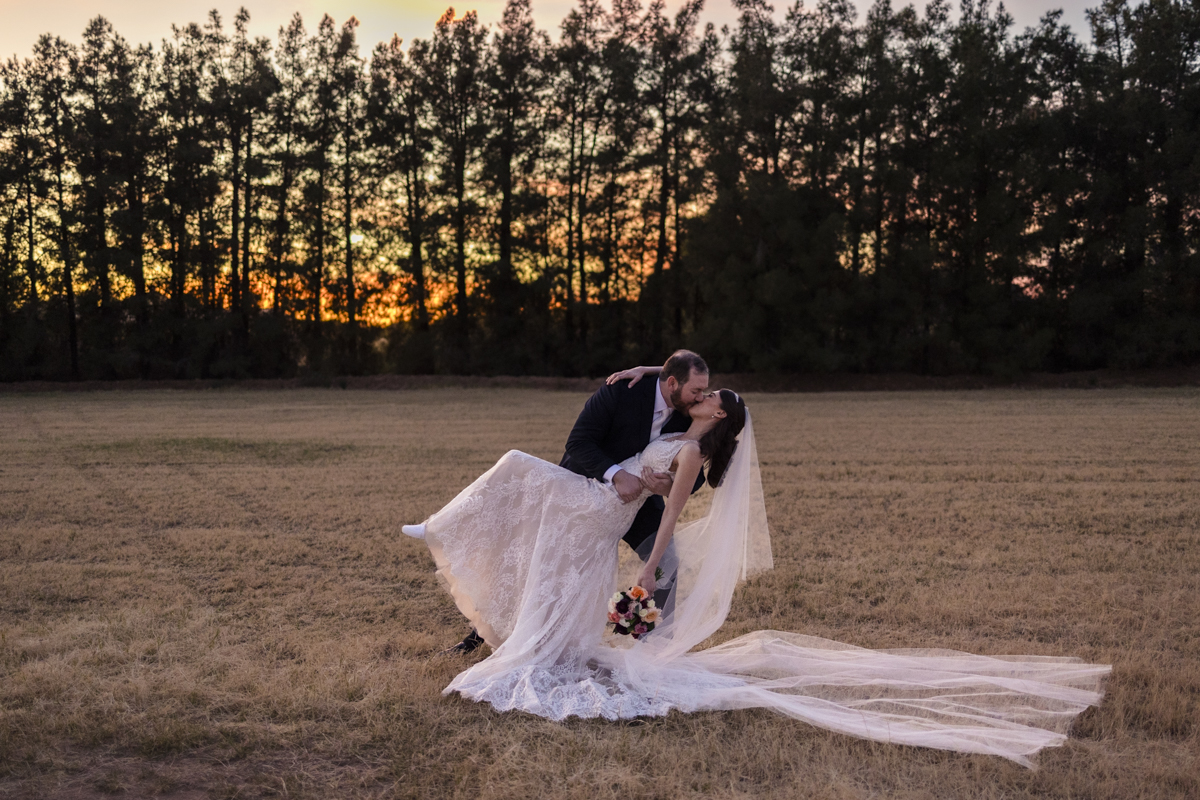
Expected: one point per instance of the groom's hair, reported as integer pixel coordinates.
(682, 364)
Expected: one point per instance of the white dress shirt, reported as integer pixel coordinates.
(662, 413)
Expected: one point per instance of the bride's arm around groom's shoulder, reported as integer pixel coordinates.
(633, 375)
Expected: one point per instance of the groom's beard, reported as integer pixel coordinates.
(677, 401)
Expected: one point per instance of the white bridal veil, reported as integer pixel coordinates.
(725, 547)
(527, 553)
(1010, 706)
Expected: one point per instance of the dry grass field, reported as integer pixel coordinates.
(205, 594)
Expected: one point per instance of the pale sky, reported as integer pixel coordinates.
(140, 21)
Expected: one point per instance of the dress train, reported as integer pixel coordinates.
(529, 554)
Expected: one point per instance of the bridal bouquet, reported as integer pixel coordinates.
(632, 612)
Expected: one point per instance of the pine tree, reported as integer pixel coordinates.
(26, 164)
(321, 133)
(93, 69)
(190, 177)
(283, 146)
(516, 79)
(134, 146)
(453, 78)
(677, 58)
(52, 64)
(241, 94)
(350, 99)
(581, 95)
(401, 139)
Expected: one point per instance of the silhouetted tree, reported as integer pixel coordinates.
(453, 78)
(922, 191)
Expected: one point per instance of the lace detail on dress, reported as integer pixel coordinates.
(529, 553)
(528, 533)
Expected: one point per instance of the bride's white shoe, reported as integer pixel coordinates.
(415, 531)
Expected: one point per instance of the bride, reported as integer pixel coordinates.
(529, 554)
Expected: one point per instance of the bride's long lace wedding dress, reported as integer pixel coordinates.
(529, 553)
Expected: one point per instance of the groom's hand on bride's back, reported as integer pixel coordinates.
(628, 486)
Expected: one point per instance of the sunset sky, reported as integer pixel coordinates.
(140, 21)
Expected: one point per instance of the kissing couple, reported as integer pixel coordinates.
(529, 553)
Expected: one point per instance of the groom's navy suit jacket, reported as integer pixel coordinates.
(614, 425)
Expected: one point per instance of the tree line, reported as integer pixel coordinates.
(927, 192)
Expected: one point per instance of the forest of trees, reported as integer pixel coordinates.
(929, 192)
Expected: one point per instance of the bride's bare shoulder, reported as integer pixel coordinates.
(689, 451)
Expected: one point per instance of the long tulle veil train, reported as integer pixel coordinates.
(1010, 706)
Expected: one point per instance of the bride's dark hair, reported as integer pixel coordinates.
(718, 444)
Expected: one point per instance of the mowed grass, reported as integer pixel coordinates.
(207, 595)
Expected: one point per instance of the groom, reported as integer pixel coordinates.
(618, 421)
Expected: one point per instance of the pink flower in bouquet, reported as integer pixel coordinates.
(614, 617)
(640, 629)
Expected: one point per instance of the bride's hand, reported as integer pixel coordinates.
(647, 580)
(632, 375)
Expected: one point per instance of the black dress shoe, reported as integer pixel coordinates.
(467, 645)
